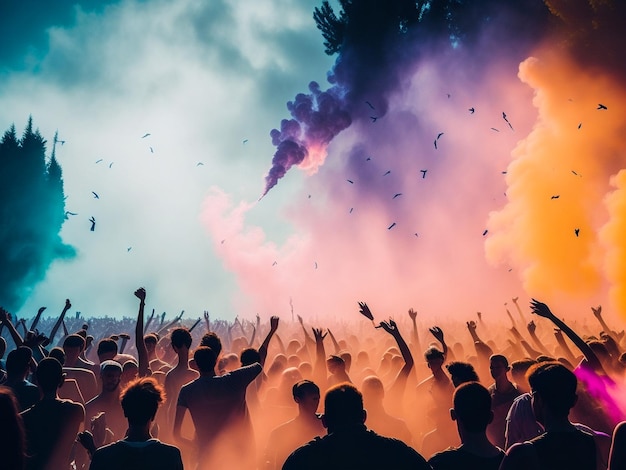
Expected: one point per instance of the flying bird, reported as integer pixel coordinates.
(601, 106)
(580, 124)
(494, 129)
(435, 142)
(423, 173)
(350, 181)
(245, 141)
(129, 248)
(506, 119)
(316, 265)
(370, 105)
(93, 223)
(471, 110)
(416, 234)
(504, 172)
(485, 232)
(95, 195)
(576, 231)
(439, 135)
(575, 173)
(374, 118)
(110, 164)
(67, 213)
(151, 150)
(396, 195)
(368, 159)
(274, 263)
(145, 135)
(391, 226)
(351, 209)
(556, 196)
(199, 163)
(98, 161)
(388, 172)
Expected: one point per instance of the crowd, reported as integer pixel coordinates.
(137, 393)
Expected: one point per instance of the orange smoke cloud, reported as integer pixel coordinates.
(558, 179)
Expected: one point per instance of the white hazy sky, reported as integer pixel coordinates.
(200, 77)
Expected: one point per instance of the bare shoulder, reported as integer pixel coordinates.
(520, 456)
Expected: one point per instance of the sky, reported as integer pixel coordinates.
(447, 179)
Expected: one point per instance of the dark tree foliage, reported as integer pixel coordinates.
(368, 23)
(31, 214)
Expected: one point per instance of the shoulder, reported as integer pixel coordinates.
(521, 455)
(399, 450)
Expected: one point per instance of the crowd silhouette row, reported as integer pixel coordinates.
(137, 393)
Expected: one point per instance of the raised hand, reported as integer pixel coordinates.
(273, 322)
(141, 294)
(412, 314)
(300, 320)
(206, 315)
(471, 325)
(40, 311)
(125, 336)
(68, 304)
(480, 316)
(317, 334)
(365, 311)
(515, 299)
(597, 312)
(531, 327)
(437, 333)
(389, 326)
(541, 309)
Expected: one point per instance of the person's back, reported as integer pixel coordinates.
(562, 445)
(349, 444)
(125, 455)
(51, 424)
(27, 393)
(472, 413)
(138, 450)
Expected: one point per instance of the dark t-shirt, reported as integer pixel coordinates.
(357, 448)
(457, 458)
(127, 455)
(568, 450)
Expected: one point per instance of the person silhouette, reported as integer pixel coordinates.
(348, 443)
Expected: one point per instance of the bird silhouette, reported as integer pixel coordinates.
(370, 105)
(68, 213)
(435, 142)
(374, 118)
(494, 129)
(95, 195)
(580, 125)
(556, 196)
(423, 173)
(274, 263)
(368, 159)
(245, 141)
(391, 226)
(199, 163)
(93, 223)
(350, 181)
(471, 110)
(576, 231)
(145, 135)
(151, 150)
(98, 161)
(439, 135)
(351, 209)
(485, 232)
(129, 248)
(396, 195)
(388, 172)
(601, 106)
(111, 164)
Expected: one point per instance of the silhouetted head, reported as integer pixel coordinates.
(373, 390)
(461, 372)
(553, 389)
(3, 347)
(107, 349)
(18, 361)
(141, 399)
(335, 364)
(518, 372)
(347, 359)
(205, 359)
(110, 375)
(249, 356)
(212, 341)
(498, 366)
(307, 395)
(151, 341)
(49, 374)
(343, 408)
(472, 407)
(179, 338)
(58, 354)
(434, 358)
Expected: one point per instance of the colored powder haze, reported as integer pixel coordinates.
(521, 195)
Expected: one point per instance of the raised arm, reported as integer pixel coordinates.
(542, 310)
(266, 342)
(533, 353)
(319, 369)
(307, 337)
(531, 327)
(597, 312)
(399, 384)
(567, 352)
(334, 340)
(57, 325)
(438, 334)
(415, 339)
(5, 319)
(33, 325)
(207, 321)
(147, 325)
(140, 344)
